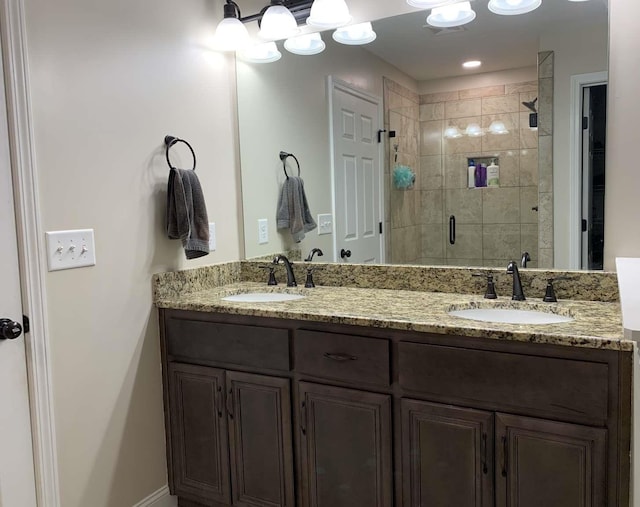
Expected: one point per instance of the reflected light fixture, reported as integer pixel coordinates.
(451, 15)
(474, 130)
(277, 22)
(472, 64)
(498, 127)
(327, 14)
(267, 52)
(427, 4)
(513, 7)
(231, 34)
(452, 132)
(355, 35)
(308, 44)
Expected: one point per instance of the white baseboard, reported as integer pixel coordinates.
(160, 498)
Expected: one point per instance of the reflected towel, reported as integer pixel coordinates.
(186, 213)
(293, 209)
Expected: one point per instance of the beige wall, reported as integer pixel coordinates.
(576, 51)
(108, 81)
(622, 203)
(284, 107)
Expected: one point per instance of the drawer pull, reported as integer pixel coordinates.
(341, 358)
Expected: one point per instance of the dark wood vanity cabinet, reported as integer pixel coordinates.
(378, 418)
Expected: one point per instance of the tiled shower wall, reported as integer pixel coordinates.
(493, 225)
(403, 208)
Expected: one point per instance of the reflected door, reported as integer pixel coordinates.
(17, 483)
(356, 175)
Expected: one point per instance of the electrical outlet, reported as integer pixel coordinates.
(263, 231)
(325, 223)
(212, 236)
(70, 249)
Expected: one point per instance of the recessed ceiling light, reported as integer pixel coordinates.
(472, 64)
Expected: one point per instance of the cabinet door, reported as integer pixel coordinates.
(550, 464)
(345, 438)
(198, 433)
(446, 455)
(259, 416)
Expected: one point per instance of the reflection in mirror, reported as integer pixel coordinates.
(416, 73)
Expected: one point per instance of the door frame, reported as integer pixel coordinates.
(334, 83)
(30, 249)
(578, 83)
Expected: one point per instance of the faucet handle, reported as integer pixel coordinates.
(490, 292)
(272, 274)
(550, 294)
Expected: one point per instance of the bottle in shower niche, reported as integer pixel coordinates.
(481, 175)
(493, 174)
(471, 180)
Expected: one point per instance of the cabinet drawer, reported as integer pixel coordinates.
(551, 387)
(342, 357)
(232, 344)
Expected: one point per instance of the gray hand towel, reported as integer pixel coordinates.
(186, 213)
(293, 209)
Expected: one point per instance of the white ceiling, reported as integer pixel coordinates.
(500, 42)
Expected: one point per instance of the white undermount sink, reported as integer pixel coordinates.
(263, 297)
(510, 316)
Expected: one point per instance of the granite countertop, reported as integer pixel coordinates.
(596, 325)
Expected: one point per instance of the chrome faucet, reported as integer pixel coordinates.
(512, 269)
(291, 278)
(524, 259)
(312, 253)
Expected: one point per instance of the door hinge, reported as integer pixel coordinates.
(25, 324)
(585, 122)
(380, 227)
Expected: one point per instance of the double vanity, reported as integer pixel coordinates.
(369, 390)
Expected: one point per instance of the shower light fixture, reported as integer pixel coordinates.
(451, 15)
(308, 44)
(513, 7)
(355, 35)
(327, 14)
(267, 52)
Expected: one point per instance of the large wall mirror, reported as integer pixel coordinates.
(552, 60)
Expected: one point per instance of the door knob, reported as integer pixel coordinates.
(9, 329)
(345, 253)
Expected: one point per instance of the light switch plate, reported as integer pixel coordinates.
(212, 236)
(325, 223)
(70, 249)
(263, 231)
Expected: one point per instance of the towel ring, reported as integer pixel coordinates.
(169, 141)
(284, 156)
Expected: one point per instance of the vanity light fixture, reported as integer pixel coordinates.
(428, 4)
(267, 52)
(308, 44)
(231, 34)
(327, 14)
(513, 7)
(451, 15)
(452, 132)
(472, 64)
(277, 22)
(355, 35)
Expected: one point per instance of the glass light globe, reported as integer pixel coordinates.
(329, 14)
(231, 35)
(427, 4)
(498, 127)
(266, 52)
(474, 130)
(278, 23)
(452, 15)
(309, 44)
(452, 133)
(513, 7)
(355, 35)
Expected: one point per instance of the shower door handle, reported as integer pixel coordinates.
(452, 229)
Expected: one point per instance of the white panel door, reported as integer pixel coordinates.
(356, 175)
(17, 483)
